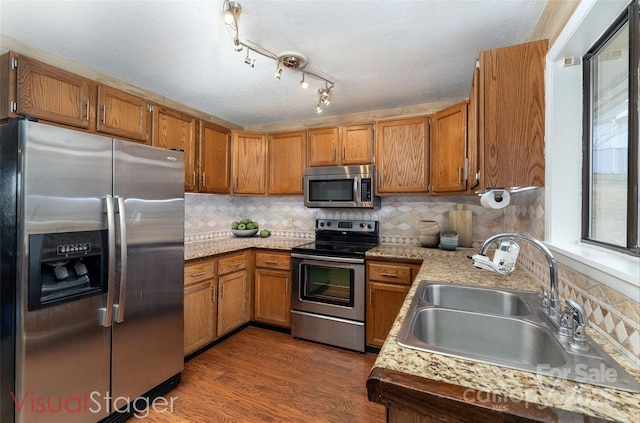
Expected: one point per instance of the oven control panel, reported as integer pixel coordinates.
(347, 225)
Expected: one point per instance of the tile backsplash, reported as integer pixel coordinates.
(210, 216)
(613, 315)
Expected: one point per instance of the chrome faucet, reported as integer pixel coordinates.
(575, 319)
(550, 300)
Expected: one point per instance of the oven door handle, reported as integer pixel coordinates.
(328, 258)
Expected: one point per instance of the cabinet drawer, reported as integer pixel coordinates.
(391, 272)
(200, 271)
(232, 263)
(273, 260)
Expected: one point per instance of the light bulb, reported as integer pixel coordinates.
(228, 17)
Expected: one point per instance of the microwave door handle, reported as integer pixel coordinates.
(356, 189)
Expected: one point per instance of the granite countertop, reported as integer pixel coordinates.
(541, 392)
(201, 249)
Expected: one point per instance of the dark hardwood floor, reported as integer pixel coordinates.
(259, 375)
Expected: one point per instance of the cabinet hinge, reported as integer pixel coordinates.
(150, 107)
(14, 107)
(429, 188)
(477, 176)
(477, 63)
(430, 120)
(14, 63)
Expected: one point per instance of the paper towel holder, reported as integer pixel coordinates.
(499, 192)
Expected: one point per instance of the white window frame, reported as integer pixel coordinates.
(563, 150)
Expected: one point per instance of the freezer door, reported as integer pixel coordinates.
(62, 350)
(148, 313)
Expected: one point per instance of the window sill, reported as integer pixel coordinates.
(618, 271)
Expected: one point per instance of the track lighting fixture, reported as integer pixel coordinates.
(293, 61)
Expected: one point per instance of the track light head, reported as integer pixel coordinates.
(304, 84)
(232, 10)
(248, 60)
(278, 74)
(318, 108)
(325, 96)
(237, 45)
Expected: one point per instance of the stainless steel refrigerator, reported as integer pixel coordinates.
(91, 274)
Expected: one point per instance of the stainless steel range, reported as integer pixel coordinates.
(328, 292)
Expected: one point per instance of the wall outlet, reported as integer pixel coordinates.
(289, 223)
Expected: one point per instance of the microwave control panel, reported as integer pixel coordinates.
(365, 190)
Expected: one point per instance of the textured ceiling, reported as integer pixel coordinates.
(380, 53)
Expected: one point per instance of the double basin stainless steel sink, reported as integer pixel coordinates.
(505, 328)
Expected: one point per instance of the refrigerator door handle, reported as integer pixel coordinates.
(106, 313)
(119, 307)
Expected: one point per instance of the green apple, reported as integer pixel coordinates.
(265, 233)
(234, 225)
(242, 226)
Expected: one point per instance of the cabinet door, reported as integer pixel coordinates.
(512, 113)
(45, 92)
(449, 149)
(473, 136)
(232, 301)
(272, 297)
(122, 114)
(402, 156)
(199, 315)
(322, 147)
(214, 159)
(286, 163)
(249, 163)
(385, 300)
(357, 144)
(175, 130)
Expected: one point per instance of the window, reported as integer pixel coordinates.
(610, 144)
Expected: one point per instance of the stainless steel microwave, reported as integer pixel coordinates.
(341, 186)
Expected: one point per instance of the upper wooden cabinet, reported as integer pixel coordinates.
(123, 114)
(41, 91)
(214, 159)
(344, 145)
(449, 149)
(473, 143)
(356, 144)
(286, 163)
(249, 151)
(177, 131)
(402, 155)
(511, 112)
(322, 147)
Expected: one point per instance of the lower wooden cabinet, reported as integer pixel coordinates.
(387, 286)
(233, 292)
(199, 305)
(272, 284)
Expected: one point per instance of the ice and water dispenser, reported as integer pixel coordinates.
(66, 267)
